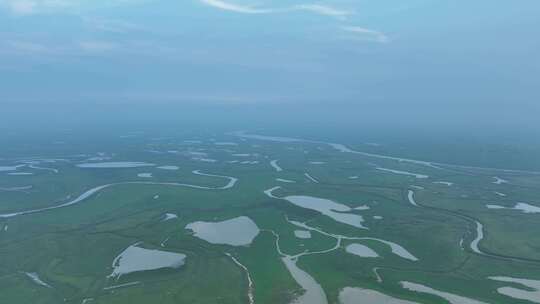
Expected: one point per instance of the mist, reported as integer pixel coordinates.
(413, 69)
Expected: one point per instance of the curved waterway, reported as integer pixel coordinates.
(410, 196)
(395, 248)
(475, 243)
(355, 295)
(314, 293)
(250, 295)
(449, 297)
(343, 148)
(275, 165)
(338, 212)
(479, 227)
(89, 193)
(479, 237)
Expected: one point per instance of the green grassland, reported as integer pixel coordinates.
(72, 248)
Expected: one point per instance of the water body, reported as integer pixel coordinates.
(451, 298)
(43, 168)
(302, 234)
(168, 167)
(410, 196)
(499, 181)
(89, 193)
(134, 259)
(526, 208)
(144, 175)
(523, 207)
(250, 295)
(444, 183)
(314, 294)
(129, 284)
(361, 251)
(345, 149)
(169, 216)
(479, 226)
(232, 180)
(479, 237)
(198, 153)
(266, 138)
(112, 165)
(362, 208)
(79, 199)
(395, 248)
(239, 231)
(311, 178)
(329, 208)
(269, 192)
(16, 189)
(247, 162)
(36, 279)
(350, 295)
(285, 180)
(402, 172)
(206, 160)
(275, 165)
(225, 143)
(10, 168)
(518, 293)
(102, 158)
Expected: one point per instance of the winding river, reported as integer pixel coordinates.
(89, 193)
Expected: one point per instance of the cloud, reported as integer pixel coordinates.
(33, 7)
(30, 7)
(235, 7)
(21, 7)
(367, 34)
(323, 10)
(112, 26)
(312, 8)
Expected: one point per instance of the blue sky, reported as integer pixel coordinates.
(456, 55)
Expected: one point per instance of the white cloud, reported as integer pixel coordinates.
(113, 26)
(312, 8)
(324, 10)
(32, 7)
(20, 7)
(237, 8)
(367, 34)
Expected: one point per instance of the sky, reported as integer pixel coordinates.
(422, 59)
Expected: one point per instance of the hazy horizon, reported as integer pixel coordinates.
(418, 62)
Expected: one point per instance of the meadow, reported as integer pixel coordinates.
(429, 209)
